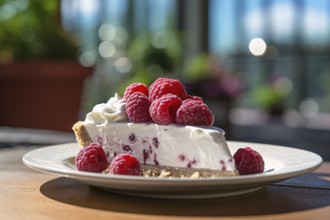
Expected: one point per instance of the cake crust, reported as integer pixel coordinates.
(81, 134)
(176, 172)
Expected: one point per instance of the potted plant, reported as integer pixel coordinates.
(41, 81)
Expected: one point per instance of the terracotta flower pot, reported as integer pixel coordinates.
(43, 94)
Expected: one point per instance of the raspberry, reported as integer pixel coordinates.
(248, 161)
(163, 86)
(194, 112)
(125, 164)
(193, 97)
(137, 108)
(92, 159)
(136, 87)
(163, 109)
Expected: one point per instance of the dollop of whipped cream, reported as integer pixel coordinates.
(112, 111)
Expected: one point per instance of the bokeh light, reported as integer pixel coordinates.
(107, 49)
(107, 32)
(257, 46)
(123, 65)
(87, 59)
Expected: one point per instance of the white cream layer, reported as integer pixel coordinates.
(165, 145)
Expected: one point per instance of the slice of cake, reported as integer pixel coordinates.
(169, 132)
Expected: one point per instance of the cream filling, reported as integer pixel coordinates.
(166, 145)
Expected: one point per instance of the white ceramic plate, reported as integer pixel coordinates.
(280, 163)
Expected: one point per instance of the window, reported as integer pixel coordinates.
(279, 48)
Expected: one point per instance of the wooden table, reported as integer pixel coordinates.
(29, 194)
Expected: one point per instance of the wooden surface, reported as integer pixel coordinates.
(29, 194)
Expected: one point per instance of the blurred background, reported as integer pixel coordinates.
(261, 66)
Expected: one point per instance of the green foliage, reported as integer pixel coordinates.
(162, 48)
(30, 29)
(198, 68)
(267, 97)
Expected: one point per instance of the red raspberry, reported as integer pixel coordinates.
(163, 86)
(125, 164)
(137, 108)
(248, 161)
(136, 87)
(193, 97)
(163, 109)
(194, 112)
(92, 159)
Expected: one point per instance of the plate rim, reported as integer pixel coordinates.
(175, 188)
(270, 177)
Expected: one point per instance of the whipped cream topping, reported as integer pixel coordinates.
(112, 111)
